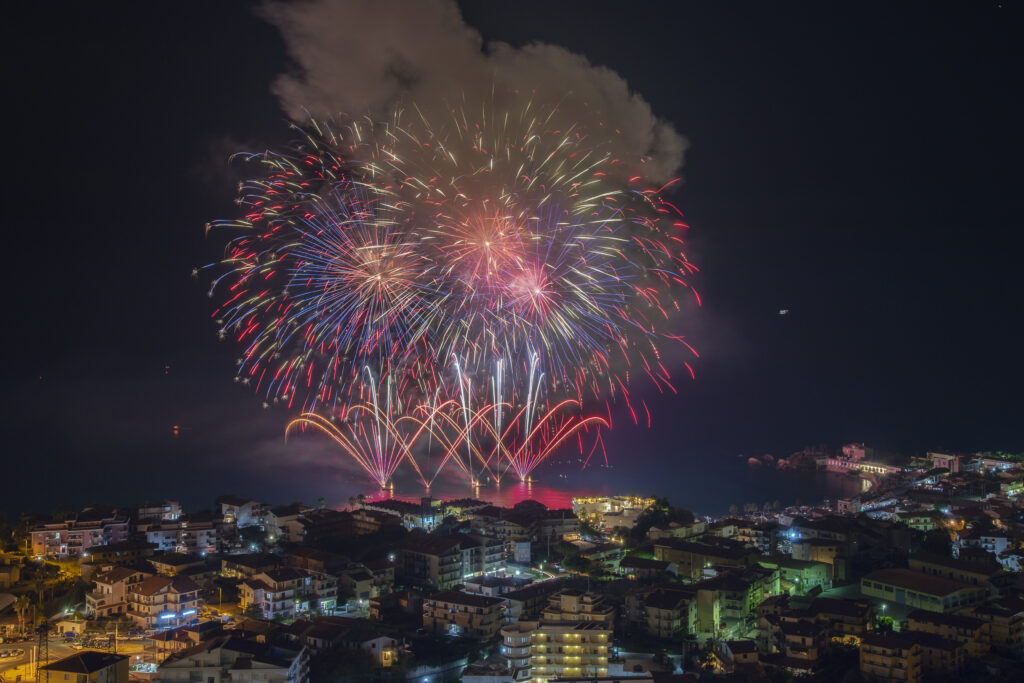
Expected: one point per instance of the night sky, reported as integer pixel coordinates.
(858, 165)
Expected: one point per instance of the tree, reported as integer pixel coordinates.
(577, 563)
(588, 529)
(564, 549)
(21, 606)
(530, 506)
(40, 585)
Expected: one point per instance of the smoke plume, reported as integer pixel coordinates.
(358, 56)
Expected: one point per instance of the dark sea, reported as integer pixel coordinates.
(709, 490)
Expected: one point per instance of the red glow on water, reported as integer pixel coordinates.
(504, 495)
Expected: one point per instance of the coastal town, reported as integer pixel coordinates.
(917, 578)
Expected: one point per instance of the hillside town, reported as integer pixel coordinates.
(918, 578)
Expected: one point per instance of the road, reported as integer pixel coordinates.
(10, 668)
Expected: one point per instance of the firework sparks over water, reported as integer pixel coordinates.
(496, 272)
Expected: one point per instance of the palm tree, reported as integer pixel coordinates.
(21, 606)
(40, 586)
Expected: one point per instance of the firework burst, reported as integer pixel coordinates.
(451, 258)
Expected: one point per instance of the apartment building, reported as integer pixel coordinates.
(802, 642)
(119, 554)
(109, 596)
(75, 538)
(248, 565)
(528, 603)
(550, 650)
(975, 634)
(575, 605)
(427, 560)
(890, 658)
(163, 602)
(670, 613)
(226, 658)
(272, 592)
(172, 564)
(728, 602)
(181, 535)
(241, 512)
(463, 614)
(799, 577)
(939, 656)
(1005, 617)
(691, 558)
(424, 515)
(847, 620)
(482, 554)
(283, 523)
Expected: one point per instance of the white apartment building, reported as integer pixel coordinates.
(163, 602)
(181, 536)
(109, 597)
(287, 592)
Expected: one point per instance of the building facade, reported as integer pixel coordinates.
(463, 614)
(163, 602)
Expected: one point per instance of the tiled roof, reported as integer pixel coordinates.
(86, 662)
(460, 598)
(916, 581)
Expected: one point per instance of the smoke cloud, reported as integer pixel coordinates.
(358, 56)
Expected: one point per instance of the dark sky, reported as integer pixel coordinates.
(857, 164)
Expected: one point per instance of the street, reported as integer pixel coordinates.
(12, 668)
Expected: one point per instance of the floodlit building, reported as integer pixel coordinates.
(163, 602)
(608, 512)
(558, 649)
(109, 597)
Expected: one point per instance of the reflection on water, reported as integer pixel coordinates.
(503, 495)
(708, 487)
